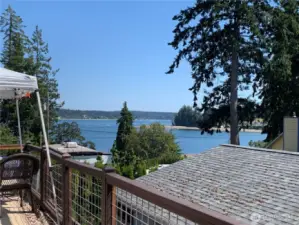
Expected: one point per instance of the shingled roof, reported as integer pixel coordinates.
(256, 186)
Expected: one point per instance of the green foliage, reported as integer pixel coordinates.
(258, 144)
(251, 44)
(48, 86)
(279, 80)
(64, 132)
(30, 56)
(169, 158)
(140, 169)
(12, 57)
(153, 169)
(154, 162)
(134, 151)
(187, 116)
(127, 171)
(115, 154)
(222, 39)
(125, 126)
(122, 154)
(154, 141)
(89, 144)
(14, 38)
(7, 137)
(99, 163)
(216, 117)
(153, 145)
(86, 189)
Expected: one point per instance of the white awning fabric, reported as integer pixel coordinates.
(15, 85)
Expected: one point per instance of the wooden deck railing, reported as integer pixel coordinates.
(87, 195)
(11, 147)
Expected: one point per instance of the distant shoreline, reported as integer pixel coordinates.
(169, 127)
(108, 119)
(84, 119)
(221, 129)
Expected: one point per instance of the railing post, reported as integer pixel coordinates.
(107, 199)
(42, 177)
(67, 192)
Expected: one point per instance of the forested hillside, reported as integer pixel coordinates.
(95, 114)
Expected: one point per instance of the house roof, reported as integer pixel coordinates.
(258, 186)
(79, 150)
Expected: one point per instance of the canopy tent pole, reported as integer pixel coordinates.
(19, 125)
(10, 81)
(48, 153)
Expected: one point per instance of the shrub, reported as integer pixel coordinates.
(169, 158)
(140, 169)
(258, 144)
(127, 171)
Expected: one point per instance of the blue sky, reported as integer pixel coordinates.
(109, 52)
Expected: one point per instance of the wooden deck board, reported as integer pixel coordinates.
(13, 214)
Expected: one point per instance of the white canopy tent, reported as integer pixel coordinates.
(14, 85)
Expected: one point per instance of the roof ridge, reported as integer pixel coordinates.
(261, 149)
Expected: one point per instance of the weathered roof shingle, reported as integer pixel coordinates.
(253, 185)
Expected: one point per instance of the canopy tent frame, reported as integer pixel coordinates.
(19, 125)
(17, 85)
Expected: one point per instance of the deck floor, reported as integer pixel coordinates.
(13, 214)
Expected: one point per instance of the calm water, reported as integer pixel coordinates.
(103, 133)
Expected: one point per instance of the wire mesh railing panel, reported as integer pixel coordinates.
(57, 171)
(129, 209)
(85, 199)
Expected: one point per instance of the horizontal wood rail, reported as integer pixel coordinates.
(110, 181)
(11, 147)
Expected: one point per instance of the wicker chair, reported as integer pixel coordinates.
(16, 173)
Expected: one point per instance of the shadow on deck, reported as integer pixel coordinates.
(14, 214)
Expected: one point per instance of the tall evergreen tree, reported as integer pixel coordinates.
(122, 155)
(48, 86)
(125, 126)
(280, 78)
(222, 38)
(14, 38)
(12, 57)
(29, 56)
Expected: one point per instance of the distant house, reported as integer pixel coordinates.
(252, 185)
(289, 139)
(81, 153)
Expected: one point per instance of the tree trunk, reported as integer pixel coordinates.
(234, 137)
(234, 130)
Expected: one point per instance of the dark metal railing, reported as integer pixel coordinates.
(88, 195)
